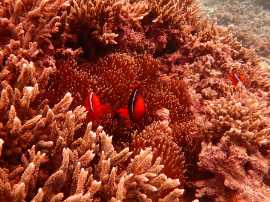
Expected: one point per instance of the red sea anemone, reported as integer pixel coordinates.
(152, 77)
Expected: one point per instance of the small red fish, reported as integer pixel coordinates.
(136, 106)
(95, 108)
(236, 78)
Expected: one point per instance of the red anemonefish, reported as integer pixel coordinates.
(236, 78)
(136, 106)
(95, 108)
(135, 110)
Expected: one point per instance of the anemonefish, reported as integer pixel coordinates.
(135, 110)
(136, 106)
(95, 108)
(236, 78)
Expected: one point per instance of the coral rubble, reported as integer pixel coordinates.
(204, 135)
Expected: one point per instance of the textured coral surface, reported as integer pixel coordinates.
(251, 28)
(204, 134)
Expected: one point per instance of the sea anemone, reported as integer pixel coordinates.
(204, 97)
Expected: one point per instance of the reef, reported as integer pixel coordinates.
(204, 134)
(251, 28)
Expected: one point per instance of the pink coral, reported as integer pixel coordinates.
(203, 137)
(239, 176)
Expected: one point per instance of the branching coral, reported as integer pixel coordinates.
(82, 180)
(200, 121)
(159, 137)
(243, 117)
(32, 21)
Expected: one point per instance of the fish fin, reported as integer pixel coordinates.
(123, 112)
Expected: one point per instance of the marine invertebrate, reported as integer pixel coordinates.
(228, 117)
(158, 136)
(138, 181)
(112, 79)
(163, 72)
(242, 179)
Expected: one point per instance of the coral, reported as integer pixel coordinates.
(237, 174)
(205, 131)
(158, 136)
(81, 180)
(242, 117)
(252, 33)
